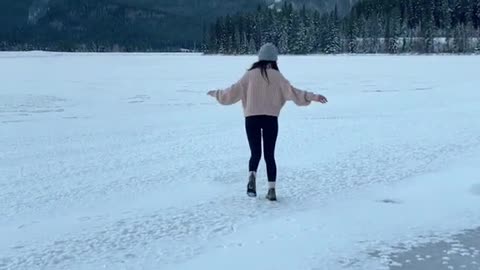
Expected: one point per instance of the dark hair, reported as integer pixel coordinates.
(263, 66)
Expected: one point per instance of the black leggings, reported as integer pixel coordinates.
(254, 126)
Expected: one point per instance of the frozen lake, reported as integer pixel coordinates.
(121, 161)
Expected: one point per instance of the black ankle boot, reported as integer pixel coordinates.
(252, 187)
(271, 195)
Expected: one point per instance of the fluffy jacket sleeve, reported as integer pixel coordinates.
(234, 93)
(299, 97)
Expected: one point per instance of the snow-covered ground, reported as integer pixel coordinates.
(116, 161)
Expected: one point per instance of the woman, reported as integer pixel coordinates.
(263, 91)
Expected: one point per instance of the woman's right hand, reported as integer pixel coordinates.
(211, 93)
(320, 98)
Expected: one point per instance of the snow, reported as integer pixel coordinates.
(121, 161)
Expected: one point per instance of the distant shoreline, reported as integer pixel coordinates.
(233, 55)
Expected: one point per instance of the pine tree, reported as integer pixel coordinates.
(230, 35)
(286, 28)
(478, 15)
(393, 31)
(301, 40)
(470, 11)
(459, 41)
(316, 31)
(470, 34)
(222, 37)
(249, 32)
(333, 38)
(266, 22)
(477, 49)
(244, 45)
(276, 28)
(252, 49)
(444, 18)
(388, 34)
(352, 33)
(428, 26)
(257, 29)
(362, 32)
(403, 32)
(236, 42)
(448, 27)
(294, 33)
(205, 39)
(374, 27)
(283, 42)
(304, 38)
(414, 13)
(212, 41)
(310, 33)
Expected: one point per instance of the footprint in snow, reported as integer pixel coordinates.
(138, 99)
(390, 201)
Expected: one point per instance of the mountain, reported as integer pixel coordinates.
(125, 24)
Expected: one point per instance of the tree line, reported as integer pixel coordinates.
(372, 26)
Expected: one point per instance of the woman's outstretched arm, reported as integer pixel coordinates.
(232, 94)
(301, 97)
